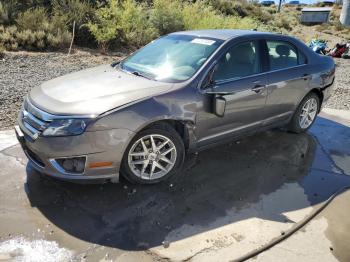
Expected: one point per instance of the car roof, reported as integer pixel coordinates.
(223, 34)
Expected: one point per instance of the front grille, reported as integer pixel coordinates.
(32, 122)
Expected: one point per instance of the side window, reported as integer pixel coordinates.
(239, 61)
(283, 55)
(302, 59)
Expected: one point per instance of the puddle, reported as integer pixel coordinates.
(23, 250)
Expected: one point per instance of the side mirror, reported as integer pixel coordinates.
(219, 105)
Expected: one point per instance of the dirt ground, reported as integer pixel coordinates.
(256, 190)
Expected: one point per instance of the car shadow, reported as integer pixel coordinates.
(227, 178)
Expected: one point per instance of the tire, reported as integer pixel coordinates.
(296, 124)
(137, 166)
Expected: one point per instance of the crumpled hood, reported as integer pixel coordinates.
(93, 91)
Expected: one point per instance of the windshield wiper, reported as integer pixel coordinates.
(137, 73)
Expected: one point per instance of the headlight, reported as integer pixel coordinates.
(66, 127)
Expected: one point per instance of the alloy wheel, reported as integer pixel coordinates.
(152, 157)
(308, 113)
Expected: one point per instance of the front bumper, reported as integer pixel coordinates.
(96, 146)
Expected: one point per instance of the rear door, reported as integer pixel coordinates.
(287, 77)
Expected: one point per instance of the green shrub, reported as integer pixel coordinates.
(58, 22)
(262, 14)
(33, 19)
(229, 7)
(59, 40)
(2, 51)
(8, 37)
(35, 30)
(198, 16)
(166, 16)
(122, 22)
(79, 11)
(105, 25)
(4, 16)
(134, 27)
(8, 11)
(31, 40)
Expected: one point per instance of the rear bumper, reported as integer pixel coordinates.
(98, 146)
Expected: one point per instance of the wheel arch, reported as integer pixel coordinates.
(184, 128)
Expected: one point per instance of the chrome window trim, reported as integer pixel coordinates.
(255, 75)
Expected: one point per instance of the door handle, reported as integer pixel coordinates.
(257, 88)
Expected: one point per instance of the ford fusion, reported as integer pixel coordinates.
(181, 93)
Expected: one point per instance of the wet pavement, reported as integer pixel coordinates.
(228, 201)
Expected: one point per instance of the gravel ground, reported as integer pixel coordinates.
(19, 72)
(341, 95)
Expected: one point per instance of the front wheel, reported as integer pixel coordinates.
(153, 155)
(305, 114)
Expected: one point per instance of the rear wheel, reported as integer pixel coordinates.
(305, 114)
(153, 155)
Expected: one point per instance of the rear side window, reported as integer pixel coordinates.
(283, 55)
(301, 58)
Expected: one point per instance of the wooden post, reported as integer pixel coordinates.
(71, 42)
(279, 6)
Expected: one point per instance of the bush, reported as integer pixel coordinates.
(79, 11)
(134, 26)
(105, 25)
(33, 19)
(4, 17)
(36, 31)
(166, 16)
(8, 11)
(262, 14)
(228, 7)
(58, 40)
(198, 16)
(8, 38)
(2, 52)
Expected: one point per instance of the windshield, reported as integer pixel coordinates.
(173, 58)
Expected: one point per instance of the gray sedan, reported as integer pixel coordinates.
(181, 93)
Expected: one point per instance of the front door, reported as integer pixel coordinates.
(239, 73)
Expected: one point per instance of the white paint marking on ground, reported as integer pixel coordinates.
(23, 250)
(7, 139)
